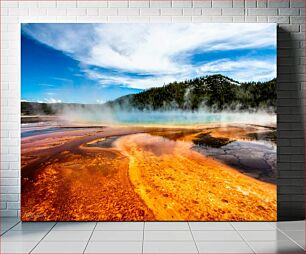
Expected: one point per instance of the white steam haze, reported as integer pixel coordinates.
(107, 116)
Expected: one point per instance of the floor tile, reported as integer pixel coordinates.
(223, 247)
(166, 226)
(297, 235)
(69, 236)
(169, 247)
(67, 226)
(253, 226)
(211, 226)
(3, 230)
(276, 247)
(5, 226)
(101, 236)
(167, 236)
(291, 225)
(273, 224)
(119, 226)
(17, 247)
(60, 247)
(301, 243)
(114, 247)
(23, 236)
(33, 226)
(216, 236)
(273, 235)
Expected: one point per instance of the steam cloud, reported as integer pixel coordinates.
(104, 115)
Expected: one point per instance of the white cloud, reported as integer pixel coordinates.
(140, 83)
(242, 70)
(52, 100)
(162, 50)
(100, 101)
(155, 48)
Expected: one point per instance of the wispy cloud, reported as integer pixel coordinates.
(243, 69)
(52, 100)
(162, 51)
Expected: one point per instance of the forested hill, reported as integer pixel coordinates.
(215, 92)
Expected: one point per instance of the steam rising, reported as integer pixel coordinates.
(104, 115)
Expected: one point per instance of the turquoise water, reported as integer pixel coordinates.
(166, 117)
(190, 118)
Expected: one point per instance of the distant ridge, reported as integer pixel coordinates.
(215, 92)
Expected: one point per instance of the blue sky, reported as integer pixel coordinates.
(94, 63)
(48, 75)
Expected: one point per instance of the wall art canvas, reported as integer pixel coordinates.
(148, 122)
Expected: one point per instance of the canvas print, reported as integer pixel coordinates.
(148, 122)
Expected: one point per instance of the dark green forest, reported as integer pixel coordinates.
(214, 93)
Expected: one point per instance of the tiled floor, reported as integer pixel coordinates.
(152, 237)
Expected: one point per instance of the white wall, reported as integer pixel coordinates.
(290, 14)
